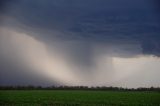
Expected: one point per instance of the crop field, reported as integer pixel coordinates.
(78, 98)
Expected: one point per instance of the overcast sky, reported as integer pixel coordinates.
(80, 42)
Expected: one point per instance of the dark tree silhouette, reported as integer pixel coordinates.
(102, 88)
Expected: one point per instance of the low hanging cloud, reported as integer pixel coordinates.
(85, 42)
(61, 66)
(24, 50)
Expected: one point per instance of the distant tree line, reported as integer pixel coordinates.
(102, 88)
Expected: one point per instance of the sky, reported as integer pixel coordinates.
(80, 42)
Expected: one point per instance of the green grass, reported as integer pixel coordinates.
(77, 98)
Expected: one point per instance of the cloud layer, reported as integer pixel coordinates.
(73, 42)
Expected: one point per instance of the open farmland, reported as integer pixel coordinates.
(78, 98)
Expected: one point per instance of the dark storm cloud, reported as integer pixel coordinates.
(90, 20)
(85, 37)
(4, 4)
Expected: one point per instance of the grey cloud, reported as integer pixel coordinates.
(86, 31)
(89, 20)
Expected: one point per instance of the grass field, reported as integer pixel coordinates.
(77, 98)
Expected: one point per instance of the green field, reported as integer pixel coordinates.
(77, 98)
